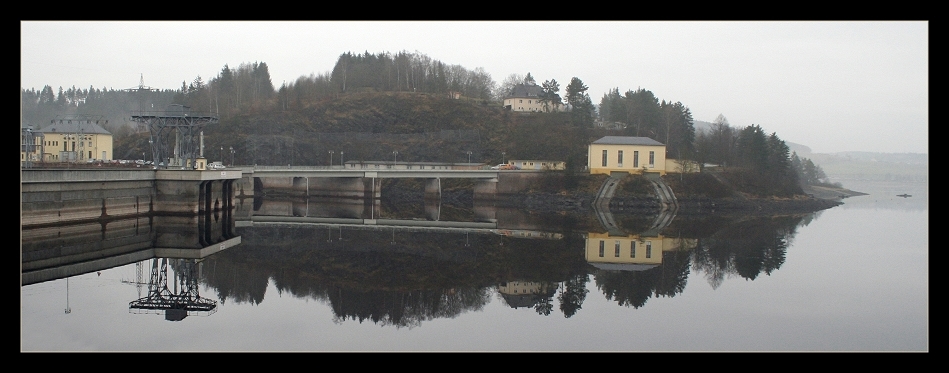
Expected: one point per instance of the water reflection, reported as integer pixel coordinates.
(403, 275)
(401, 271)
(179, 301)
(174, 245)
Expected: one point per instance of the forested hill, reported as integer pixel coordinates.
(372, 125)
(409, 107)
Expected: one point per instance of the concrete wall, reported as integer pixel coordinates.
(57, 196)
(63, 202)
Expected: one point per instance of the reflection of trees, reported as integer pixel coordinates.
(366, 276)
(572, 294)
(634, 288)
(747, 248)
(545, 304)
(405, 309)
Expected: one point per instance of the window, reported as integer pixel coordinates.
(636, 159)
(648, 249)
(601, 248)
(520, 101)
(604, 158)
(632, 249)
(652, 158)
(619, 158)
(616, 249)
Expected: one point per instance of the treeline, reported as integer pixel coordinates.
(764, 162)
(640, 113)
(110, 106)
(408, 72)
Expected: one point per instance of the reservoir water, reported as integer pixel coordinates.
(851, 278)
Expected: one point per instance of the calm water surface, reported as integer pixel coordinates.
(851, 278)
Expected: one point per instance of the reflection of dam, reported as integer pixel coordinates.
(337, 208)
(56, 252)
(631, 252)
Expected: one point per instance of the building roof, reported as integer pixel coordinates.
(627, 140)
(74, 126)
(633, 267)
(526, 90)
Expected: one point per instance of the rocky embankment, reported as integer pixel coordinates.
(816, 199)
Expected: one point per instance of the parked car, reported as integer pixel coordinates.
(504, 166)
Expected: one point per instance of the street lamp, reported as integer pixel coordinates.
(341, 158)
(232, 156)
(331, 158)
(502, 157)
(395, 157)
(222, 154)
(469, 156)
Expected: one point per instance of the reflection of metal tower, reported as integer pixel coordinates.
(175, 135)
(176, 303)
(139, 271)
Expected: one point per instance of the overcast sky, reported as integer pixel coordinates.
(832, 86)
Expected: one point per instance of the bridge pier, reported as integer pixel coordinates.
(433, 188)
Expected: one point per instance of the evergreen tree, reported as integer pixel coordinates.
(581, 107)
(550, 98)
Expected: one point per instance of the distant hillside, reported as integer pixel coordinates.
(842, 166)
(909, 167)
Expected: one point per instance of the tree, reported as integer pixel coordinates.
(642, 113)
(550, 98)
(581, 107)
(678, 128)
(506, 88)
(716, 145)
(529, 80)
(613, 107)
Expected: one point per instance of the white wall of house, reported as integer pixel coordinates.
(606, 158)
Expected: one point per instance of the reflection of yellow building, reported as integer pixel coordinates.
(632, 252)
(522, 233)
(522, 287)
(525, 293)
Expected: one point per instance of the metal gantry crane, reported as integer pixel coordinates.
(175, 135)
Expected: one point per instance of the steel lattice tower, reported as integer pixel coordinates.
(175, 135)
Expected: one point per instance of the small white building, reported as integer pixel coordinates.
(536, 164)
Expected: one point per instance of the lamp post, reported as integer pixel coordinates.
(469, 156)
(395, 157)
(232, 156)
(502, 157)
(222, 154)
(331, 158)
(341, 158)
